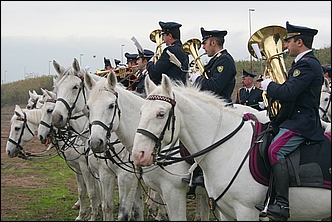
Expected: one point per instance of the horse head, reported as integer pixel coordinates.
(157, 122)
(33, 100)
(71, 93)
(325, 106)
(103, 110)
(45, 128)
(24, 123)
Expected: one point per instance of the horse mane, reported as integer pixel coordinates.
(32, 115)
(193, 92)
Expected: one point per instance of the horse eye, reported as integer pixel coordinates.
(49, 110)
(326, 99)
(75, 87)
(17, 128)
(161, 114)
(87, 107)
(111, 106)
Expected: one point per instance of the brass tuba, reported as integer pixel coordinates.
(270, 41)
(155, 36)
(191, 47)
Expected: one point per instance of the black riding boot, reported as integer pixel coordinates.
(280, 210)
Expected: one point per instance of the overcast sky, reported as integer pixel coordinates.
(34, 33)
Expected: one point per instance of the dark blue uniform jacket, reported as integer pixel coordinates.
(163, 65)
(250, 99)
(304, 88)
(221, 73)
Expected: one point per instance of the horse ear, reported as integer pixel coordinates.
(89, 81)
(30, 94)
(58, 68)
(34, 92)
(18, 111)
(149, 85)
(167, 85)
(76, 65)
(111, 80)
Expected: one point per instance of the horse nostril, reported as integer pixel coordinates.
(100, 142)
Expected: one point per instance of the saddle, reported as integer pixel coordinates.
(308, 166)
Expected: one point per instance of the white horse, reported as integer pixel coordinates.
(23, 127)
(71, 98)
(201, 119)
(33, 101)
(112, 108)
(325, 106)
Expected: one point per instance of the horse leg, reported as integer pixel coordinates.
(81, 188)
(202, 205)
(93, 188)
(162, 212)
(107, 182)
(131, 205)
(176, 203)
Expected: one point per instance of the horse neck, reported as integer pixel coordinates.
(203, 123)
(33, 118)
(129, 105)
(80, 124)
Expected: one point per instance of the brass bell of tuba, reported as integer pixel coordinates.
(191, 47)
(270, 41)
(155, 36)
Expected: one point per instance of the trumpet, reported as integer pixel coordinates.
(155, 36)
(191, 47)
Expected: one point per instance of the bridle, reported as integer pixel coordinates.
(108, 127)
(21, 153)
(170, 120)
(70, 109)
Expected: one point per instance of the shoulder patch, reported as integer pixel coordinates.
(220, 68)
(296, 72)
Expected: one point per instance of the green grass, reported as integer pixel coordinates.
(52, 200)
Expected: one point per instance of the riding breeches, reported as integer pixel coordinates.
(285, 142)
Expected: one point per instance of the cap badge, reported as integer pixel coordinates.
(296, 72)
(220, 68)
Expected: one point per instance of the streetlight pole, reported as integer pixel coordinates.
(122, 53)
(81, 59)
(250, 10)
(49, 68)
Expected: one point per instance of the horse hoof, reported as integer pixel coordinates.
(75, 207)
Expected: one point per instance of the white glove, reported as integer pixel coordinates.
(87, 68)
(261, 105)
(194, 76)
(265, 83)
